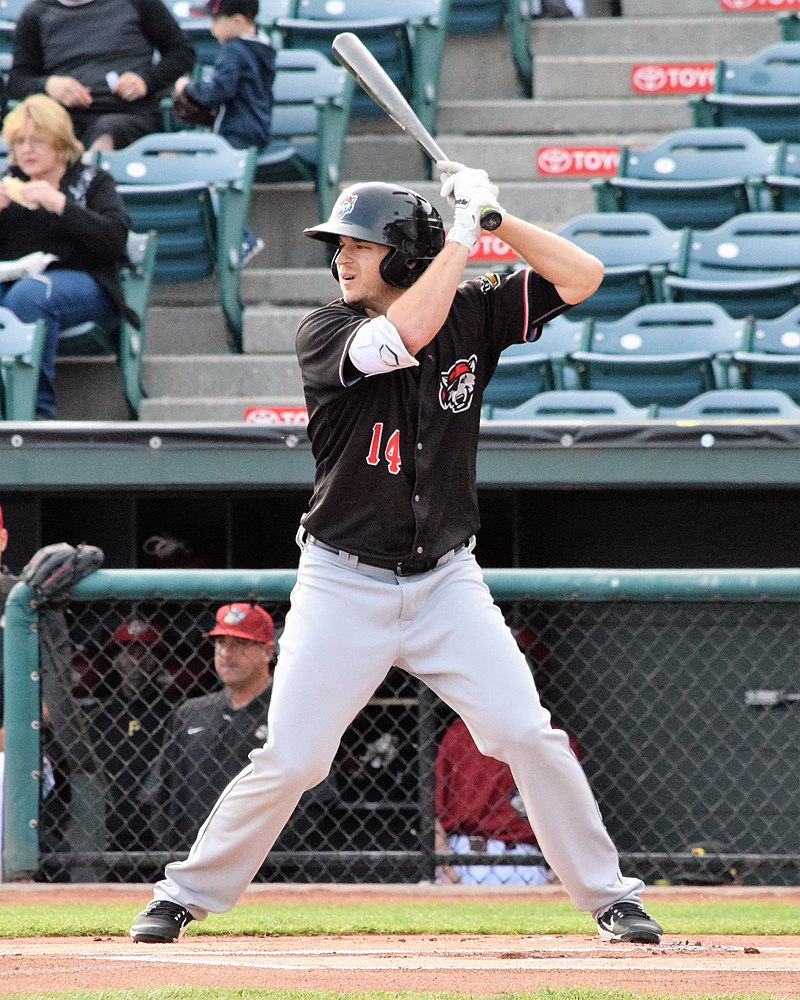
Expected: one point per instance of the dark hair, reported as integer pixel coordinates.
(227, 8)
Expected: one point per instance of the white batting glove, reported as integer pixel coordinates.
(470, 205)
(457, 178)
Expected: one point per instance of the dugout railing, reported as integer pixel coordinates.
(679, 688)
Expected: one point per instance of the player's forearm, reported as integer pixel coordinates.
(418, 314)
(575, 273)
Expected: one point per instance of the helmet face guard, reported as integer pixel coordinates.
(392, 216)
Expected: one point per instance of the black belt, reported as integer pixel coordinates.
(401, 568)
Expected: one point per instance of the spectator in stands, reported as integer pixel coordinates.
(106, 62)
(478, 809)
(239, 90)
(211, 736)
(72, 215)
(128, 728)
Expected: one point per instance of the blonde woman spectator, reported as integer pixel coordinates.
(71, 213)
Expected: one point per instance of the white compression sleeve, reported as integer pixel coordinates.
(377, 348)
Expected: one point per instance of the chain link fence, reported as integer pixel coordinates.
(682, 712)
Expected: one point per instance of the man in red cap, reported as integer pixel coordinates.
(209, 738)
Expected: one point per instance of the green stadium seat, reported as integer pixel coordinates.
(695, 177)
(527, 369)
(127, 342)
(771, 357)
(21, 346)
(761, 93)
(567, 404)
(407, 40)
(662, 354)
(9, 14)
(635, 248)
(782, 187)
(750, 265)
(166, 182)
(737, 403)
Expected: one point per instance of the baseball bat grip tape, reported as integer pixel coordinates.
(490, 219)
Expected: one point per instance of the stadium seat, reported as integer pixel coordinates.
(771, 357)
(560, 337)
(21, 347)
(166, 182)
(127, 342)
(481, 17)
(761, 93)
(739, 403)
(582, 404)
(782, 187)
(692, 177)
(9, 13)
(527, 369)
(407, 40)
(750, 265)
(310, 118)
(635, 248)
(661, 354)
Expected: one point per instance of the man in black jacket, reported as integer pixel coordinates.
(209, 738)
(98, 59)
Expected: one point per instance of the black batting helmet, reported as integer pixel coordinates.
(393, 216)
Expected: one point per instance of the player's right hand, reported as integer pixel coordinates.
(457, 179)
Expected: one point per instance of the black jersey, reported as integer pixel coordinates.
(208, 743)
(395, 453)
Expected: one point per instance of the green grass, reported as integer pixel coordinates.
(195, 993)
(453, 916)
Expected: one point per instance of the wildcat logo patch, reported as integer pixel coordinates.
(457, 386)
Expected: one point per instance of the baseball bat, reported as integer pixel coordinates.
(361, 64)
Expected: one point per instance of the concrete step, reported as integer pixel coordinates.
(270, 329)
(505, 158)
(478, 66)
(181, 329)
(200, 376)
(558, 117)
(643, 38)
(688, 8)
(605, 77)
(293, 286)
(222, 409)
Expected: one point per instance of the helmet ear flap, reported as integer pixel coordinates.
(400, 271)
(334, 268)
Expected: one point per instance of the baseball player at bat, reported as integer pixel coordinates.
(394, 373)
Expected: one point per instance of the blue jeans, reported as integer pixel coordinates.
(62, 299)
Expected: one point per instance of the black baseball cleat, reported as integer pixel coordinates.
(627, 921)
(161, 923)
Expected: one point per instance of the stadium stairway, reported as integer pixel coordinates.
(582, 97)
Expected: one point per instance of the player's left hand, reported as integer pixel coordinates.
(457, 179)
(470, 204)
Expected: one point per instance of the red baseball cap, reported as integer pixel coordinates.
(244, 621)
(137, 630)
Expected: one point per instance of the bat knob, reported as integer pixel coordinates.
(490, 219)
